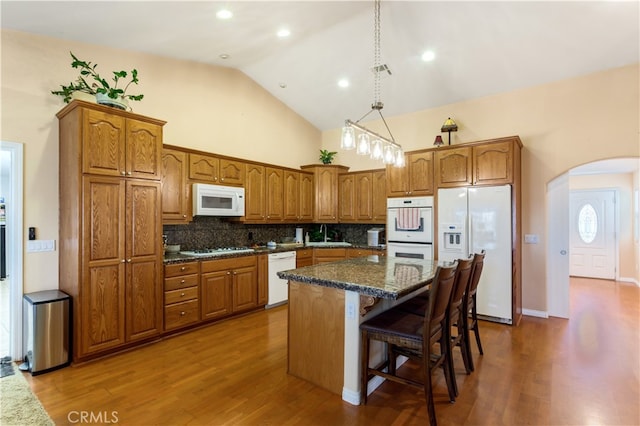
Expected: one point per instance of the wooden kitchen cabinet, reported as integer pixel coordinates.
(362, 197)
(298, 196)
(326, 255)
(181, 295)
(216, 170)
(414, 179)
(325, 191)
(264, 198)
(304, 257)
(176, 191)
(228, 286)
(110, 227)
(481, 163)
(263, 278)
(119, 145)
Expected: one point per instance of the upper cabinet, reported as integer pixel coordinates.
(362, 197)
(116, 145)
(493, 162)
(222, 171)
(264, 201)
(298, 196)
(176, 200)
(326, 191)
(414, 179)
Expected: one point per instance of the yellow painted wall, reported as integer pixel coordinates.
(213, 109)
(562, 125)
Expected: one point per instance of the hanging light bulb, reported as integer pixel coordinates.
(364, 146)
(399, 161)
(376, 150)
(389, 155)
(348, 138)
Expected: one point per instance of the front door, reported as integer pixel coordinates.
(592, 234)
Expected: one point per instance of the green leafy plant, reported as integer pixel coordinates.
(99, 84)
(327, 156)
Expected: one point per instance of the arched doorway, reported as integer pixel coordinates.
(558, 225)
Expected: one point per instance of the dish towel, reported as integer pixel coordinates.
(408, 219)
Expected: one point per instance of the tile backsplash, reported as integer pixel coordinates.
(207, 232)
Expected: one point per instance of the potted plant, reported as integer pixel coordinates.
(327, 156)
(105, 93)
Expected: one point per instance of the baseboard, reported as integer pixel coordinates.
(629, 280)
(534, 313)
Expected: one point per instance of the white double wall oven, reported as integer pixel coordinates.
(410, 227)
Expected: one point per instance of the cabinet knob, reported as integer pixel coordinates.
(228, 273)
(129, 173)
(123, 261)
(221, 179)
(182, 268)
(182, 282)
(182, 294)
(123, 173)
(128, 260)
(182, 313)
(184, 215)
(234, 272)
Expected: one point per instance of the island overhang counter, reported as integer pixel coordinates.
(327, 303)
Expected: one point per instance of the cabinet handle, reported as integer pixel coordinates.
(221, 179)
(123, 261)
(182, 313)
(182, 269)
(184, 215)
(123, 173)
(182, 282)
(228, 273)
(181, 294)
(234, 272)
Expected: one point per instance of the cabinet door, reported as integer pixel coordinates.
(103, 143)
(143, 259)
(305, 199)
(327, 195)
(176, 206)
(453, 167)
(346, 198)
(263, 279)
(291, 196)
(254, 193)
(102, 292)
(232, 172)
(245, 288)
(144, 150)
(398, 180)
(274, 194)
(364, 197)
(326, 255)
(421, 173)
(379, 197)
(493, 164)
(216, 294)
(203, 168)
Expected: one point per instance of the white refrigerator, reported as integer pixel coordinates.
(474, 219)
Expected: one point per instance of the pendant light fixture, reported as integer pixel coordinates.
(369, 142)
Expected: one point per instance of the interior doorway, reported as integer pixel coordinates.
(11, 190)
(557, 232)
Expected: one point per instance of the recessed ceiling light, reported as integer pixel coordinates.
(343, 83)
(224, 14)
(283, 85)
(224, 56)
(429, 55)
(283, 32)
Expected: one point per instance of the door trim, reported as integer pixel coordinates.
(15, 245)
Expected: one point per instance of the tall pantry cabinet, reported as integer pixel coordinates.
(110, 226)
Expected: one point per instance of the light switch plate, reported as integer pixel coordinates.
(531, 239)
(41, 245)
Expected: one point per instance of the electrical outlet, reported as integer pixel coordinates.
(531, 239)
(351, 311)
(32, 233)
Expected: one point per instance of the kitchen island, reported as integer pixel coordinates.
(328, 302)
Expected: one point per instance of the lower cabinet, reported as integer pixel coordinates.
(326, 255)
(181, 295)
(228, 286)
(304, 257)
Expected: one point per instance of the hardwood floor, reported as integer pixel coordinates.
(546, 371)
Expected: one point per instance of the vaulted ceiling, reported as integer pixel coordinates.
(480, 48)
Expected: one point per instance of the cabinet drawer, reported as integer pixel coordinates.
(181, 269)
(181, 314)
(304, 253)
(180, 282)
(228, 264)
(181, 295)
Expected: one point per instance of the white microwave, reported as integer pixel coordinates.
(217, 200)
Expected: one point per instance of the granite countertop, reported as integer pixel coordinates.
(377, 276)
(182, 258)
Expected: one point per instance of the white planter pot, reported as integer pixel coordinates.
(120, 103)
(82, 96)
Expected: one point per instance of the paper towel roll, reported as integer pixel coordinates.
(299, 237)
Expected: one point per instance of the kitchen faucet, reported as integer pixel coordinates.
(325, 231)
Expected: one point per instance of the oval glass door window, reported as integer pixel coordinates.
(587, 223)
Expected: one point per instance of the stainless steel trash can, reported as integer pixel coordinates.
(46, 331)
